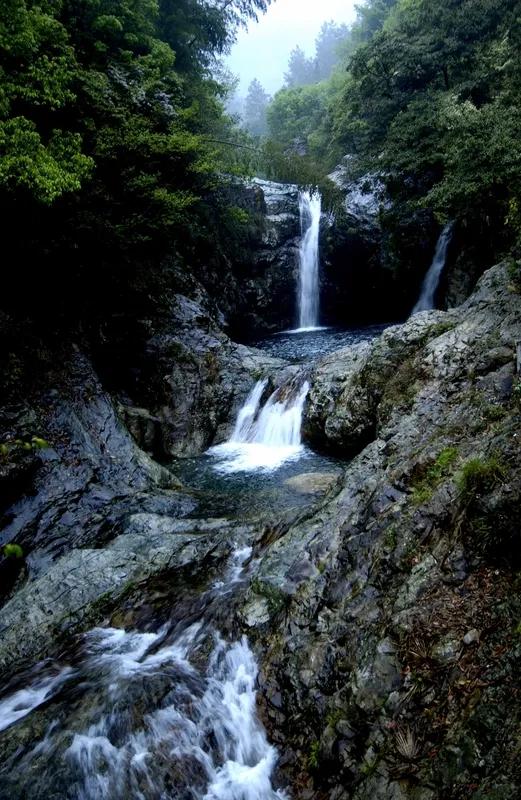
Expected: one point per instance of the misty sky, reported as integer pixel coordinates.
(262, 52)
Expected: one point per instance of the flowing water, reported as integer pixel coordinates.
(426, 300)
(166, 709)
(310, 204)
(161, 714)
(265, 436)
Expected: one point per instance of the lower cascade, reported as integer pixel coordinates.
(432, 278)
(310, 204)
(265, 435)
(167, 714)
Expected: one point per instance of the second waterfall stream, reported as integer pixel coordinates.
(265, 435)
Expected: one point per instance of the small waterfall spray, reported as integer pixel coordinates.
(432, 278)
(265, 435)
(310, 204)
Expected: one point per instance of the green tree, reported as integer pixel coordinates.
(255, 107)
(301, 70)
(112, 127)
(328, 48)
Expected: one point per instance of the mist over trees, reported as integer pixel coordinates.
(303, 71)
(427, 94)
(255, 108)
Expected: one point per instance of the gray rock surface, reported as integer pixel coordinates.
(197, 380)
(79, 586)
(89, 477)
(359, 607)
(365, 603)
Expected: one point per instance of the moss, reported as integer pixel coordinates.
(493, 412)
(479, 476)
(424, 488)
(391, 537)
(438, 330)
(514, 274)
(334, 717)
(313, 759)
(516, 392)
(275, 598)
(368, 768)
(402, 387)
(422, 494)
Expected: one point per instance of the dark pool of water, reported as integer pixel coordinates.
(307, 346)
(247, 495)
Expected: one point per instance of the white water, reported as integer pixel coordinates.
(201, 737)
(432, 278)
(266, 436)
(308, 285)
(221, 709)
(20, 703)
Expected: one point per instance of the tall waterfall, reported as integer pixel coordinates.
(432, 278)
(310, 204)
(265, 435)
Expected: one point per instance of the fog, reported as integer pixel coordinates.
(263, 50)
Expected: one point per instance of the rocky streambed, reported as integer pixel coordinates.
(381, 614)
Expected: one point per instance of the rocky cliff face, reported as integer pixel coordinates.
(385, 615)
(191, 381)
(254, 291)
(268, 285)
(391, 614)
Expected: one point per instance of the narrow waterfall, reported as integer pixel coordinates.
(149, 716)
(310, 204)
(265, 435)
(432, 278)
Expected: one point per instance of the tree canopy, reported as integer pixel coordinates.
(428, 96)
(111, 123)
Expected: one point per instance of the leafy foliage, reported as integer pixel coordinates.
(428, 97)
(113, 137)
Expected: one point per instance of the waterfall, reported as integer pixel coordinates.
(170, 713)
(308, 283)
(432, 278)
(266, 435)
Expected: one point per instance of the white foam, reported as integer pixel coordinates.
(264, 438)
(21, 703)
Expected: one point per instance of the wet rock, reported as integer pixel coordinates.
(374, 682)
(384, 578)
(88, 479)
(78, 588)
(447, 651)
(195, 380)
(471, 637)
(313, 482)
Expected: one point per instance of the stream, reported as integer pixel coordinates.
(168, 709)
(165, 712)
(161, 701)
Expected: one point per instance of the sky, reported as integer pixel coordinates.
(263, 50)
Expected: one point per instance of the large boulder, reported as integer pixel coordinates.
(192, 381)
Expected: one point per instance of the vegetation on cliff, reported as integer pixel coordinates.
(427, 95)
(111, 141)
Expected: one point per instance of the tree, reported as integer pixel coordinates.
(112, 132)
(301, 70)
(328, 48)
(255, 107)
